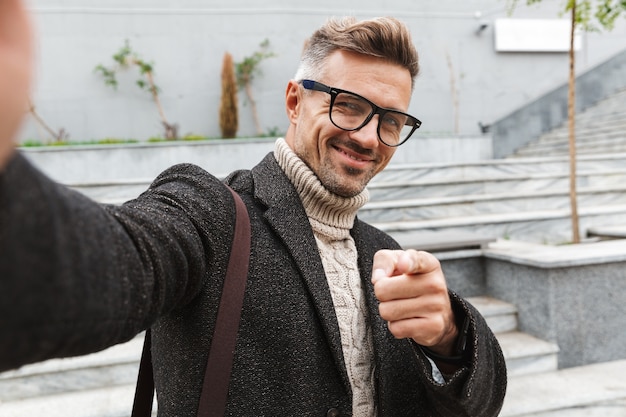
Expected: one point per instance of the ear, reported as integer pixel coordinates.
(292, 101)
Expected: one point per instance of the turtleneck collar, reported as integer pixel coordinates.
(329, 213)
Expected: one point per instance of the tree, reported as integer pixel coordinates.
(586, 15)
(247, 69)
(228, 102)
(126, 58)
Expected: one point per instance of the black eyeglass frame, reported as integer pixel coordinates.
(334, 92)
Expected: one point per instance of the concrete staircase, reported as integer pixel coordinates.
(97, 385)
(524, 353)
(517, 198)
(102, 384)
(536, 387)
(600, 128)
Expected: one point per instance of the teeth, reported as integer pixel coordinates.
(353, 157)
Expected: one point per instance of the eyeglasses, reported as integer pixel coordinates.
(350, 111)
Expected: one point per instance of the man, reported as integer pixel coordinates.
(337, 320)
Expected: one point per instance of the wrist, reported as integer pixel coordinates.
(452, 353)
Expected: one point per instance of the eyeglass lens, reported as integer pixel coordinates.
(350, 112)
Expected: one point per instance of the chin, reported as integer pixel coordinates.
(345, 190)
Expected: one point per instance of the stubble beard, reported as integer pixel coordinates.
(341, 180)
(345, 181)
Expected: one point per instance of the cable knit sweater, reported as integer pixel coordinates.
(331, 218)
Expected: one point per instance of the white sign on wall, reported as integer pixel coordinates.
(534, 35)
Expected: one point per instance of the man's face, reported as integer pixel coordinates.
(345, 161)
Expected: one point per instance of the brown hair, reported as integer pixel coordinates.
(383, 37)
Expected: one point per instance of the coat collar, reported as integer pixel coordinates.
(286, 215)
(362, 234)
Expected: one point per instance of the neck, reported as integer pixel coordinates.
(328, 210)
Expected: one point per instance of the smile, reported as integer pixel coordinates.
(352, 156)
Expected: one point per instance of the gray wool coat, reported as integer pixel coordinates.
(79, 277)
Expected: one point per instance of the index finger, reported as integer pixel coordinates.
(388, 263)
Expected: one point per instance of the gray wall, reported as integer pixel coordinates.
(186, 40)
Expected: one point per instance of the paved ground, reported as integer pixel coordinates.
(607, 409)
(597, 390)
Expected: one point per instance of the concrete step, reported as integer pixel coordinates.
(592, 390)
(589, 123)
(526, 354)
(513, 201)
(609, 408)
(540, 226)
(493, 184)
(500, 315)
(609, 143)
(400, 173)
(586, 133)
(442, 241)
(599, 140)
(117, 365)
(616, 231)
(580, 151)
(112, 192)
(111, 401)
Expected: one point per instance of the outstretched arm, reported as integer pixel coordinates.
(15, 72)
(77, 277)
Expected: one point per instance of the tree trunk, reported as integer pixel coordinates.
(255, 115)
(57, 136)
(170, 130)
(571, 114)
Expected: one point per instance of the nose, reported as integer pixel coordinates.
(367, 136)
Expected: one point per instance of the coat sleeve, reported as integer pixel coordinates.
(408, 386)
(77, 277)
(478, 388)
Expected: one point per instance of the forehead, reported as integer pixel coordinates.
(385, 83)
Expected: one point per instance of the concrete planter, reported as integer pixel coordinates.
(95, 163)
(573, 295)
(144, 161)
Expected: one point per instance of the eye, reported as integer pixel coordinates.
(394, 121)
(351, 104)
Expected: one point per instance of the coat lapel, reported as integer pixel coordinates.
(287, 217)
(366, 250)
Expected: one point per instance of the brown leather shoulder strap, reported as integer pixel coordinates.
(144, 392)
(219, 363)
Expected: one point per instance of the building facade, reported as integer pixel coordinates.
(468, 79)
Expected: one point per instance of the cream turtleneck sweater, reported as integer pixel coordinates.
(331, 217)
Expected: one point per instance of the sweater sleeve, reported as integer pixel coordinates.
(77, 277)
